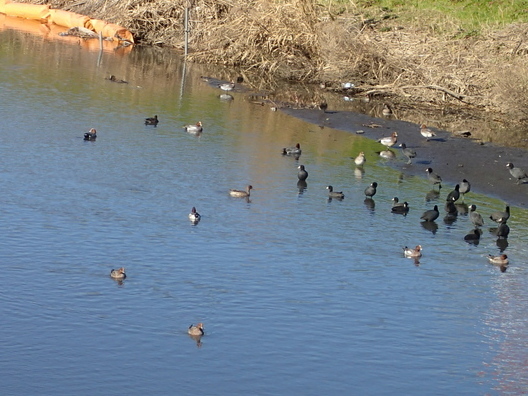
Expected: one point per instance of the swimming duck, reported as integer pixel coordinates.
(389, 141)
(396, 202)
(116, 80)
(90, 135)
(430, 215)
(152, 120)
(302, 174)
(498, 260)
(412, 253)
(197, 330)
(426, 132)
(360, 159)
(118, 273)
(334, 194)
(241, 193)
(227, 86)
(194, 216)
(475, 217)
(517, 173)
(370, 191)
(194, 129)
(401, 208)
(454, 195)
(498, 217)
(296, 150)
(387, 111)
(408, 152)
(434, 178)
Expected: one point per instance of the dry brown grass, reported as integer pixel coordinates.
(297, 40)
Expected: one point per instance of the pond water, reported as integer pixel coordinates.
(298, 294)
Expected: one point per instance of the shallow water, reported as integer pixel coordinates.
(298, 295)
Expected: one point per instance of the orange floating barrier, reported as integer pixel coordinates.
(66, 19)
(29, 11)
(69, 19)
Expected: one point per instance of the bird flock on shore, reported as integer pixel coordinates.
(452, 205)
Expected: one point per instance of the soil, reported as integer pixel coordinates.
(453, 158)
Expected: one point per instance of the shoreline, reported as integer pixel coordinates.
(454, 158)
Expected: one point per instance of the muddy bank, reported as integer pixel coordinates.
(453, 158)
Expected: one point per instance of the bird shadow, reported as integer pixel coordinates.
(430, 226)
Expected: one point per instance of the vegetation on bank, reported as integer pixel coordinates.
(446, 52)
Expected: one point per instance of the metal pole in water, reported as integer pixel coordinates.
(186, 30)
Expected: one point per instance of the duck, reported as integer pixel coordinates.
(517, 173)
(241, 193)
(426, 132)
(152, 120)
(389, 141)
(434, 178)
(227, 86)
(465, 187)
(302, 174)
(402, 208)
(296, 150)
(454, 195)
(475, 217)
(360, 159)
(334, 194)
(116, 80)
(196, 330)
(498, 217)
(408, 152)
(498, 260)
(430, 215)
(194, 216)
(387, 154)
(118, 273)
(195, 129)
(413, 253)
(387, 111)
(90, 135)
(370, 191)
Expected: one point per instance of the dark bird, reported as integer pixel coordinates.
(475, 217)
(431, 215)
(302, 174)
(403, 209)
(503, 230)
(116, 80)
(408, 152)
(323, 106)
(465, 187)
(451, 208)
(517, 173)
(434, 178)
(90, 135)
(334, 194)
(497, 217)
(370, 191)
(152, 120)
(454, 195)
(473, 235)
